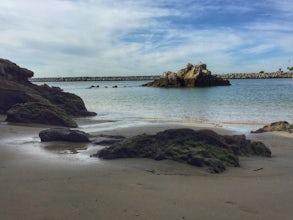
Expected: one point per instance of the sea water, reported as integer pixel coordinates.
(246, 104)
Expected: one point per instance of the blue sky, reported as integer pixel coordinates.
(145, 37)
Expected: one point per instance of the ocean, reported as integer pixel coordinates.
(245, 105)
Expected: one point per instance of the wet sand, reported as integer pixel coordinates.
(37, 183)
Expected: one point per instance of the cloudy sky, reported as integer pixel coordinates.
(145, 37)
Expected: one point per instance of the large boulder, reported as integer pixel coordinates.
(8, 98)
(204, 148)
(190, 76)
(11, 71)
(63, 134)
(35, 112)
(15, 88)
(70, 103)
(276, 126)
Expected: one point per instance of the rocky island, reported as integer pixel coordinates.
(25, 102)
(190, 76)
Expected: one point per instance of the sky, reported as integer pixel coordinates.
(146, 37)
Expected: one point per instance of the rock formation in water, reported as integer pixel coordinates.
(204, 148)
(15, 88)
(276, 126)
(190, 76)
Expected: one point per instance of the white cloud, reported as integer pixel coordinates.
(113, 37)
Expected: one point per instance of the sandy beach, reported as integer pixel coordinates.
(51, 181)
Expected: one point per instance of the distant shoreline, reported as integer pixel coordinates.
(153, 77)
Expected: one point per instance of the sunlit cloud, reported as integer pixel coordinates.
(130, 37)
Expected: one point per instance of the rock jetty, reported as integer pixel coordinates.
(190, 76)
(95, 78)
(204, 148)
(260, 75)
(25, 102)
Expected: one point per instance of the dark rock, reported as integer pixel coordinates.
(204, 148)
(8, 98)
(35, 112)
(276, 126)
(191, 76)
(72, 104)
(11, 71)
(15, 88)
(63, 134)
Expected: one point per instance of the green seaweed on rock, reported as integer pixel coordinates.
(204, 148)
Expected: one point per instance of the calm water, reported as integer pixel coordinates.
(252, 101)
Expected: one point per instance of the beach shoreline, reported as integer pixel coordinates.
(37, 183)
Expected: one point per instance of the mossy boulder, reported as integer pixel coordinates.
(276, 126)
(72, 104)
(204, 148)
(35, 112)
(8, 98)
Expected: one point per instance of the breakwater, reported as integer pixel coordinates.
(260, 75)
(94, 78)
(153, 77)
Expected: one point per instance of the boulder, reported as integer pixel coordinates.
(276, 126)
(15, 88)
(35, 112)
(190, 76)
(204, 148)
(11, 71)
(8, 98)
(63, 134)
(72, 104)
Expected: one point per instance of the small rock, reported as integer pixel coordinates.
(63, 134)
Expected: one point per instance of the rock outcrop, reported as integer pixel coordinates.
(15, 88)
(11, 71)
(63, 134)
(204, 148)
(276, 126)
(191, 76)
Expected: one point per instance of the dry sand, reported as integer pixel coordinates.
(37, 183)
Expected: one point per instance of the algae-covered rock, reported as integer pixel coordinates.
(72, 104)
(276, 126)
(63, 134)
(35, 112)
(204, 148)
